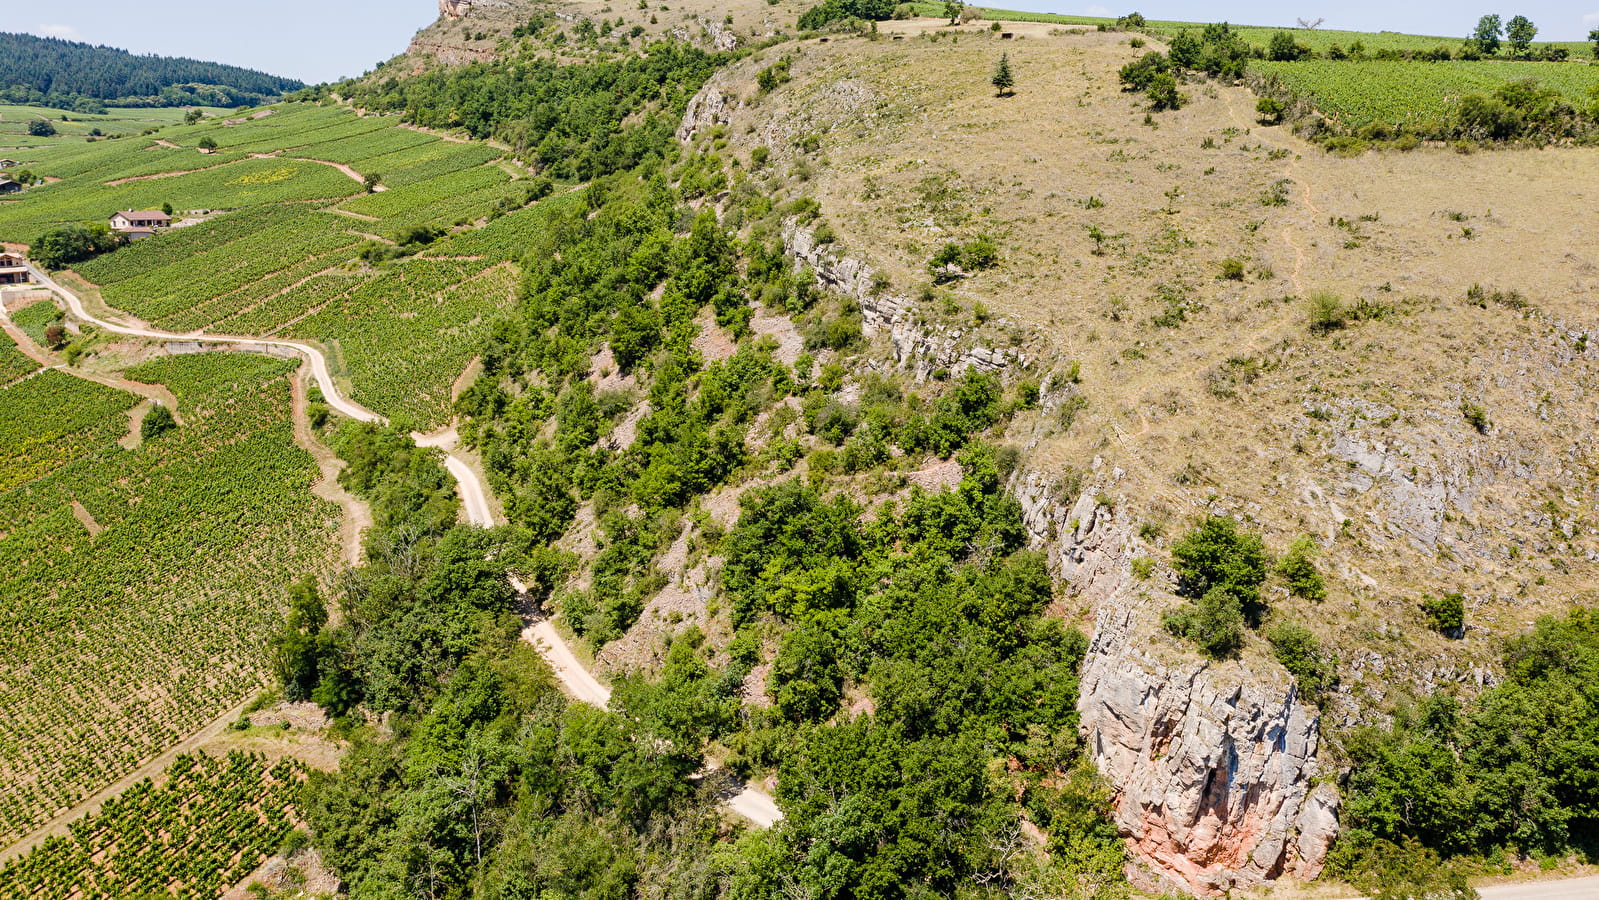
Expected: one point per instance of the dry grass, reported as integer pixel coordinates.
(1213, 413)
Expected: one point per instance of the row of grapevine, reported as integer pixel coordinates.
(115, 645)
(1359, 93)
(210, 824)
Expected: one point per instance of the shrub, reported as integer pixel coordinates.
(1299, 651)
(1476, 416)
(1298, 567)
(41, 128)
(1232, 269)
(1327, 313)
(1446, 614)
(1216, 555)
(1215, 622)
(157, 421)
(1270, 110)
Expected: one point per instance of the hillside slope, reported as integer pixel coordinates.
(1430, 439)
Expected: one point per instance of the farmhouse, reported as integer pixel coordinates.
(12, 271)
(7, 186)
(145, 218)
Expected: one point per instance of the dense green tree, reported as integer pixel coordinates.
(63, 246)
(158, 421)
(1486, 36)
(41, 128)
(1519, 32)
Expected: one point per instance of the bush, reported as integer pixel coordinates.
(157, 421)
(1232, 269)
(1270, 110)
(41, 128)
(1476, 416)
(1446, 614)
(1298, 567)
(1298, 649)
(1216, 555)
(1215, 622)
(1327, 313)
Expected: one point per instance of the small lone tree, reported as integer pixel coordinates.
(1594, 36)
(953, 9)
(192, 116)
(372, 180)
(1520, 31)
(41, 128)
(1003, 80)
(1486, 36)
(206, 143)
(157, 421)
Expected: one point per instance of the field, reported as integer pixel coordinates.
(1317, 39)
(1414, 93)
(281, 259)
(14, 119)
(205, 828)
(137, 585)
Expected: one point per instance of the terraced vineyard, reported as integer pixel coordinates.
(283, 260)
(205, 828)
(1358, 93)
(136, 586)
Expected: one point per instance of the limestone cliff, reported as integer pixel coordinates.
(1214, 766)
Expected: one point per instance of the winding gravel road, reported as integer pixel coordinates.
(754, 805)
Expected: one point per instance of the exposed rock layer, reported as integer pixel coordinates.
(1214, 767)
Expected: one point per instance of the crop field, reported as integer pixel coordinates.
(136, 586)
(206, 827)
(33, 319)
(14, 364)
(283, 261)
(1357, 93)
(405, 335)
(1318, 39)
(115, 120)
(247, 182)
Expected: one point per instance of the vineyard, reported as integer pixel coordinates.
(119, 639)
(206, 828)
(14, 364)
(1357, 93)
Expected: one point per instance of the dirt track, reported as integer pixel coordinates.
(754, 805)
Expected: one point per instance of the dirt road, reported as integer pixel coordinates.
(752, 804)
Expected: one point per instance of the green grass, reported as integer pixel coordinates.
(1421, 94)
(112, 647)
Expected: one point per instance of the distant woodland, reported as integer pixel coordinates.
(84, 77)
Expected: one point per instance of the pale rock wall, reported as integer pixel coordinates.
(921, 348)
(1214, 766)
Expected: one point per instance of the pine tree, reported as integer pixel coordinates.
(1003, 79)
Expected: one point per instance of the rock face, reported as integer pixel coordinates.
(920, 347)
(1214, 767)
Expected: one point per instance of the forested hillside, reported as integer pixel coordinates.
(74, 75)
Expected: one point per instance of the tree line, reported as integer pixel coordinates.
(71, 74)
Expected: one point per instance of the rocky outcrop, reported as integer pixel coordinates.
(454, 9)
(923, 348)
(706, 110)
(1214, 766)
